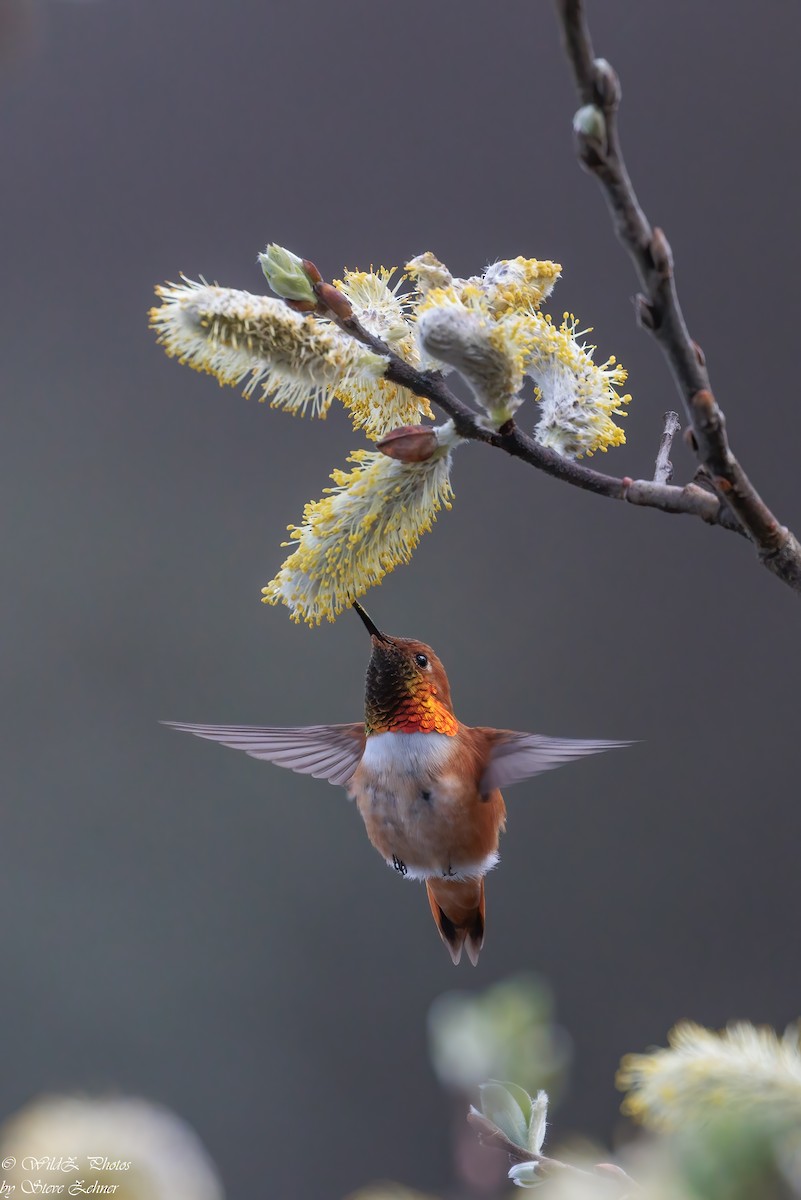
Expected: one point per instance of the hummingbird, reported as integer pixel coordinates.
(426, 786)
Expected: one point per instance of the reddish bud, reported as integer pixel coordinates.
(334, 300)
(409, 443)
(703, 402)
(311, 270)
(301, 306)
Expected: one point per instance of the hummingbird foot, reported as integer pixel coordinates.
(399, 865)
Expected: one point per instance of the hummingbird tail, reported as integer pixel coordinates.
(458, 910)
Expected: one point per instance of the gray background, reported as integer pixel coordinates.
(185, 923)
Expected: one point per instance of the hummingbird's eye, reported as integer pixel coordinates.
(421, 660)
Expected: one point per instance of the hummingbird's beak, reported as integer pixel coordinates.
(371, 626)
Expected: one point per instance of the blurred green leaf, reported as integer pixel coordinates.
(506, 1030)
(508, 1110)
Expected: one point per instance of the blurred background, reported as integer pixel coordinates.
(186, 924)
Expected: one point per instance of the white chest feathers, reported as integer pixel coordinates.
(412, 802)
(409, 754)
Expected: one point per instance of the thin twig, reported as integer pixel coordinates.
(490, 1135)
(724, 496)
(599, 151)
(664, 467)
(691, 499)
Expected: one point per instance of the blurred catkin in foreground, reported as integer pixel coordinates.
(120, 1146)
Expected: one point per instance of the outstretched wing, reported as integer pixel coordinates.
(516, 756)
(331, 752)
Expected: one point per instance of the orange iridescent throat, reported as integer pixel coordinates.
(420, 711)
(404, 693)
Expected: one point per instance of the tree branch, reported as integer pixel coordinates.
(691, 499)
(490, 1135)
(598, 148)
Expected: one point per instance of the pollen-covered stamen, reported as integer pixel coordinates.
(577, 396)
(509, 285)
(489, 352)
(378, 405)
(366, 525)
(379, 304)
(518, 284)
(298, 361)
(428, 272)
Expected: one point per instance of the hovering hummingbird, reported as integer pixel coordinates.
(427, 786)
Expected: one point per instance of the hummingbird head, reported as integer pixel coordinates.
(407, 690)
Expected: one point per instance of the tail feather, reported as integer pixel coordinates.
(458, 910)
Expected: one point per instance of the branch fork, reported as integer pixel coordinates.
(722, 493)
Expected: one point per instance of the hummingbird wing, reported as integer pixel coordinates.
(515, 756)
(331, 752)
